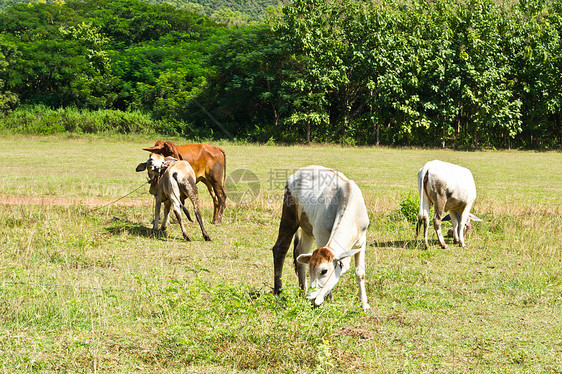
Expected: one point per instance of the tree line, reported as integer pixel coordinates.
(464, 74)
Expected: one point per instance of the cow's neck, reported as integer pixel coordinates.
(342, 238)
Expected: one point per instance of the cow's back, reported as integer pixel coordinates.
(455, 182)
(203, 157)
(323, 197)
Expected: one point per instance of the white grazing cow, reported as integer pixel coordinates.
(450, 188)
(328, 207)
(171, 181)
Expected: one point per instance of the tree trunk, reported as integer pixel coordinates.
(275, 113)
(443, 136)
(308, 132)
(376, 125)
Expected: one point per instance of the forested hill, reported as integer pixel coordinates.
(248, 10)
(253, 9)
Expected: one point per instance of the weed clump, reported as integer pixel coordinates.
(409, 206)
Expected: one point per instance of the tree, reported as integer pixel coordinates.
(230, 17)
(8, 100)
(246, 91)
(534, 47)
(56, 65)
(311, 31)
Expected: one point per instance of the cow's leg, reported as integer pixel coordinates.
(455, 223)
(360, 276)
(215, 199)
(191, 191)
(220, 193)
(439, 214)
(303, 244)
(463, 221)
(219, 172)
(166, 218)
(287, 229)
(437, 227)
(157, 203)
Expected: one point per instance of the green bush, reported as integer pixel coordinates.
(410, 206)
(44, 120)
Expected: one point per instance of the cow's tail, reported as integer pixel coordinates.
(186, 212)
(224, 169)
(423, 213)
(175, 176)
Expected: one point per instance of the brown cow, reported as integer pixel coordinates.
(208, 163)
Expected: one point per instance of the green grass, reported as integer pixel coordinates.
(90, 290)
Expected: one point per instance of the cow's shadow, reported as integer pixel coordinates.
(120, 225)
(411, 244)
(406, 244)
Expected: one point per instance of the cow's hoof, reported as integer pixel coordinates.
(155, 233)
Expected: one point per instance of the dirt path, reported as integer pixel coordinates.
(65, 201)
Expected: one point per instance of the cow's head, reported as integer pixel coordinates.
(164, 148)
(153, 167)
(325, 270)
(467, 227)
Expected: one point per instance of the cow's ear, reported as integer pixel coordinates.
(304, 259)
(170, 149)
(142, 166)
(345, 254)
(474, 218)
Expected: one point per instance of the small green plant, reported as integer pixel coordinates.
(410, 206)
(324, 357)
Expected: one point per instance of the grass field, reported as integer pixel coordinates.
(85, 288)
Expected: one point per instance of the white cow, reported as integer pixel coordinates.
(450, 188)
(328, 207)
(171, 181)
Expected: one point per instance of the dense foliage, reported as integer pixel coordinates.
(230, 10)
(458, 74)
